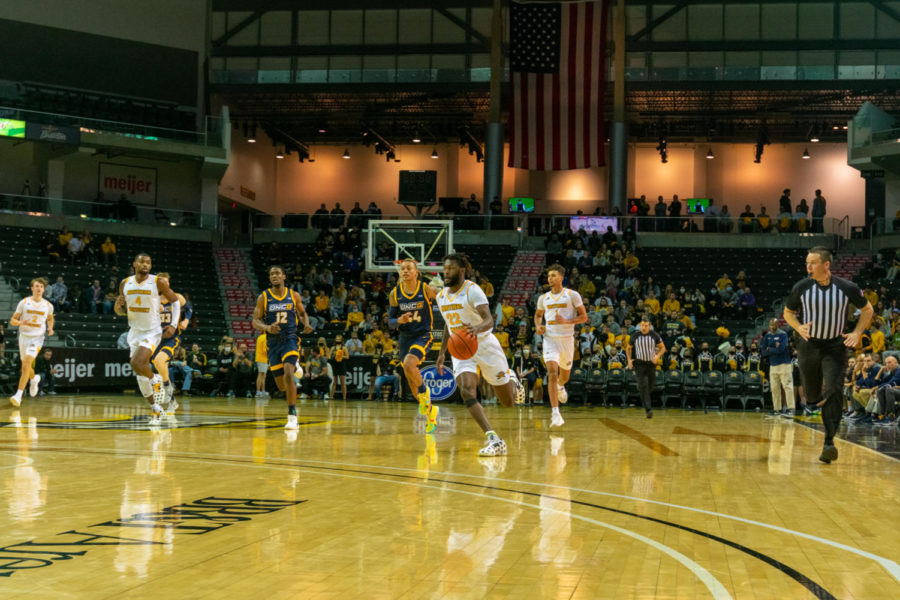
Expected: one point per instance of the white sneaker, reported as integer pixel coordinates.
(16, 400)
(520, 389)
(172, 407)
(292, 422)
(556, 420)
(561, 394)
(170, 393)
(494, 447)
(156, 414)
(159, 392)
(33, 386)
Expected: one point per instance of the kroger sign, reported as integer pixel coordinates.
(441, 386)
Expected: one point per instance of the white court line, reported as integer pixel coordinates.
(888, 565)
(24, 461)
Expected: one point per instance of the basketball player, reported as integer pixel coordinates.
(464, 306)
(139, 299)
(278, 312)
(410, 310)
(33, 317)
(564, 310)
(166, 349)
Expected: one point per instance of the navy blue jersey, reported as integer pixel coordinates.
(418, 305)
(165, 314)
(282, 312)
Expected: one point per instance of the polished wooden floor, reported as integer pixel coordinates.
(223, 503)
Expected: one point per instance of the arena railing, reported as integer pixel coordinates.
(210, 136)
(115, 211)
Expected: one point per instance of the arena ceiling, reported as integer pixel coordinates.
(441, 112)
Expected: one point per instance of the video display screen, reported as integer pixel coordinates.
(517, 205)
(12, 128)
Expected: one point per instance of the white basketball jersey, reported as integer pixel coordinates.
(33, 316)
(142, 302)
(458, 308)
(565, 304)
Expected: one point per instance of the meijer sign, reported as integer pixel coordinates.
(137, 183)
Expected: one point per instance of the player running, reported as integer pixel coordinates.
(564, 310)
(410, 311)
(166, 350)
(278, 312)
(34, 318)
(464, 306)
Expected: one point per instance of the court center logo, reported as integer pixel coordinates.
(441, 386)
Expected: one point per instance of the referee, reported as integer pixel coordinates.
(648, 348)
(823, 300)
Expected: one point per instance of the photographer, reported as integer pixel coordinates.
(241, 376)
(318, 382)
(386, 372)
(44, 368)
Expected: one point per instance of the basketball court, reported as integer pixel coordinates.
(222, 502)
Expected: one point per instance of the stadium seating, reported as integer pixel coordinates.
(189, 263)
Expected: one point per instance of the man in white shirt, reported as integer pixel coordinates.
(564, 309)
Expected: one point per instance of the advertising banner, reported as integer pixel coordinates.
(84, 367)
(52, 133)
(138, 184)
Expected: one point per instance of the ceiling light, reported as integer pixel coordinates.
(346, 153)
(252, 137)
(709, 154)
(416, 139)
(279, 154)
(434, 153)
(806, 154)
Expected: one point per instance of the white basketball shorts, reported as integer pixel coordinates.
(489, 358)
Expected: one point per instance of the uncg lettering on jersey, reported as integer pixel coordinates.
(281, 312)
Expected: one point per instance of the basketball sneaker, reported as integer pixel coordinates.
(16, 399)
(172, 407)
(494, 447)
(33, 388)
(292, 423)
(556, 420)
(521, 394)
(424, 401)
(432, 416)
(170, 393)
(159, 393)
(561, 394)
(156, 413)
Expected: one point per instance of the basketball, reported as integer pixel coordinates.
(462, 344)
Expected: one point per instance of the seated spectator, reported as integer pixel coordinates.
(108, 248)
(63, 239)
(59, 295)
(864, 384)
(763, 221)
(354, 345)
(631, 262)
(385, 373)
(44, 367)
(671, 305)
(316, 381)
(785, 222)
(652, 304)
(747, 304)
(800, 218)
(242, 375)
(747, 220)
(224, 378)
(723, 282)
(179, 364)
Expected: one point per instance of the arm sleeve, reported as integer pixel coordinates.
(476, 295)
(393, 315)
(793, 300)
(854, 294)
(188, 311)
(576, 299)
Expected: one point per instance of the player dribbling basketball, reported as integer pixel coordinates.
(464, 306)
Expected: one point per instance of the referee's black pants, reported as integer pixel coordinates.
(645, 375)
(822, 366)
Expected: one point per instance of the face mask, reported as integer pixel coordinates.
(227, 348)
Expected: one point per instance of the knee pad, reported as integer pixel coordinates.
(471, 402)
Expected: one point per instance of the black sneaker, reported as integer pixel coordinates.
(829, 454)
(649, 414)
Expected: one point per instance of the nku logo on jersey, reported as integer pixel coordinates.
(441, 386)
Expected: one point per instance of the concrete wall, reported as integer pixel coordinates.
(731, 178)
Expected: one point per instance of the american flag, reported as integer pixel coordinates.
(558, 63)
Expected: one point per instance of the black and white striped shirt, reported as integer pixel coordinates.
(824, 306)
(644, 345)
